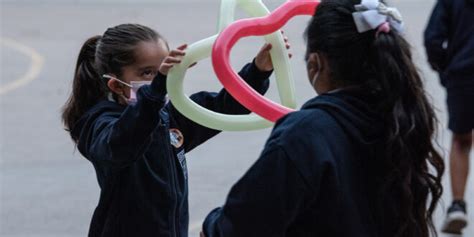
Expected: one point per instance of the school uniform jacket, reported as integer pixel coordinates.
(139, 160)
(449, 42)
(313, 177)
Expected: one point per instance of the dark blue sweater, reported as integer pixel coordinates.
(142, 177)
(449, 40)
(313, 177)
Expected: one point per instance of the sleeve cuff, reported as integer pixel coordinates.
(255, 78)
(256, 73)
(156, 91)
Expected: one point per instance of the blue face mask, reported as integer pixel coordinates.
(134, 86)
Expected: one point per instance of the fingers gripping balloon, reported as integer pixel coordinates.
(254, 27)
(202, 49)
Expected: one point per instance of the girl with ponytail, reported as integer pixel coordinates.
(119, 119)
(357, 160)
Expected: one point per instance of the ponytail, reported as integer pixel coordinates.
(410, 121)
(87, 89)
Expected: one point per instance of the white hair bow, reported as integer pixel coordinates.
(371, 14)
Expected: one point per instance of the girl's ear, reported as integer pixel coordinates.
(314, 62)
(115, 86)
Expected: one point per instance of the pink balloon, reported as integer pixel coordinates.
(233, 83)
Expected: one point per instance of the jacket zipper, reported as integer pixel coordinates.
(175, 191)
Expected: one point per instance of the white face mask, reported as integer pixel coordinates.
(316, 76)
(134, 86)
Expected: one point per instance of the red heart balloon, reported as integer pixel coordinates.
(233, 83)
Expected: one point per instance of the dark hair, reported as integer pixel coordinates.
(99, 55)
(382, 63)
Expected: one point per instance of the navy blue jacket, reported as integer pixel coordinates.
(449, 40)
(312, 178)
(142, 177)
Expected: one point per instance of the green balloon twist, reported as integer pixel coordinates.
(202, 49)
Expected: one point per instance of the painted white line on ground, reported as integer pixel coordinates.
(37, 62)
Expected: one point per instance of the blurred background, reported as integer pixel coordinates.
(48, 189)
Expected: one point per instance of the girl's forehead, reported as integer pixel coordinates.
(151, 52)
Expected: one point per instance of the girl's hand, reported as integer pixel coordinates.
(263, 61)
(174, 57)
(202, 234)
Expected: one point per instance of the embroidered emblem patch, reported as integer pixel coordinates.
(176, 138)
